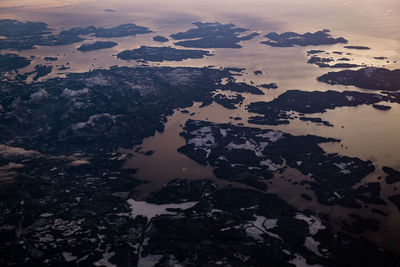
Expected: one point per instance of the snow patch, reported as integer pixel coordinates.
(69, 257)
(149, 210)
(74, 93)
(314, 223)
(272, 136)
(342, 166)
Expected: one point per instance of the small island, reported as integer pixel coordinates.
(357, 47)
(96, 46)
(160, 39)
(381, 107)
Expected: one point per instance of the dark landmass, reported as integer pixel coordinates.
(14, 29)
(360, 225)
(241, 87)
(338, 52)
(313, 51)
(41, 71)
(228, 101)
(22, 77)
(251, 155)
(102, 109)
(149, 153)
(257, 72)
(110, 10)
(212, 35)
(10, 62)
(57, 206)
(393, 175)
(160, 39)
(369, 194)
(67, 214)
(180, 191)
(306, 197)
(340, 66)
(237, 227)
(276, 112)
(96, 46)
(394, 97)
(367, 78)
(396, 200)
(317, 60)
(307, 103)
(273, 118)
(290, 39)
(316, 120)
(63, 67)
(123, 30)
(322, 63)
(380, 212)
(50, 58)
(27, 35)
(344, 59)
(357, 47)
(269, 85)
(380, 58)
(159, 54)
(381, 107)
(20, 39)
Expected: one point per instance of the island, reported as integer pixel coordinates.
(277, 111)
(290, 39)
(367, 78)
(159, 54)
(122, 30)
(213, 35)
(357, 47)
(26, 35)
(252, 155)
(160, 39)
(96, 46)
